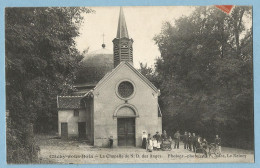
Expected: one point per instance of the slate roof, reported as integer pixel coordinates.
(69, 102)
(86, 85)
(81, 92)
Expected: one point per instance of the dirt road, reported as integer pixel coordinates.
(75, 152)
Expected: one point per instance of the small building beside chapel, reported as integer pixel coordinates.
(122, 104)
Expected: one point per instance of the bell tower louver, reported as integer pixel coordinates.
(123, 45)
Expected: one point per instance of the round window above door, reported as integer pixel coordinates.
(125, 89)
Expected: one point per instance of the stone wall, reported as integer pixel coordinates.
(68, 117)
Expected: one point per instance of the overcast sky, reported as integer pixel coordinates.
(143, 24)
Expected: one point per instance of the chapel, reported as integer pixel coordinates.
(120, 104)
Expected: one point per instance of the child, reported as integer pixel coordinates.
(170, 139)
(155, 144)
(111, 141)
(159, 145)
(149, 143)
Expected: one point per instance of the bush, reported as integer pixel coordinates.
(21, 146)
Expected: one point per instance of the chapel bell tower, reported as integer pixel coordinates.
(123, 45)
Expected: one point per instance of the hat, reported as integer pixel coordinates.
(157, 132)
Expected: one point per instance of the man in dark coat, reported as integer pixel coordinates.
(185, 140)
(194, 142)
(177, 137)
(157, 136)
(189, 139)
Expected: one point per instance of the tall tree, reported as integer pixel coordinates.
(41, 60)
(206, 64)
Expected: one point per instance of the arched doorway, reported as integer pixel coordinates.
(126, 116)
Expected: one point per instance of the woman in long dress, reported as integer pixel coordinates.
(144, 140)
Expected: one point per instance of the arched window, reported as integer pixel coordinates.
(126, 112)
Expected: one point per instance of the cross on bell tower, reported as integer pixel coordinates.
(123, 45)
(103, 45)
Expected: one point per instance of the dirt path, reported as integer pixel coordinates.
(74, 152)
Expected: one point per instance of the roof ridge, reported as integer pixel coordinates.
(143, 77)
(70, 96)
(133, 69)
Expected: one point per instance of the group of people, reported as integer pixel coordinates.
(191, 141)
(154, 142)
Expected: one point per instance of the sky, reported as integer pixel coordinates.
(143, 23)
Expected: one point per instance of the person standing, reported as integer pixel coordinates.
(111, 142)
(204, 145)
(194, 142)
(177, 137)
(144, 140)
(157, 136)
(189, 141)
(185, 140)
(199, 140)
(218, 143)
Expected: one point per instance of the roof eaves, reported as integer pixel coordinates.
(107, 76)
(143, 77)
(86, 94)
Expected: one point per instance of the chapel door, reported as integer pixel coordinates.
(82, 130)
(126, 131)
(64, 130)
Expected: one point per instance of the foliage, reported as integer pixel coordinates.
(21, 145)
(205, 75)
(41, 61)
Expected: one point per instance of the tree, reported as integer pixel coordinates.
(41, 61)
(150, 74)
(206, 64)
